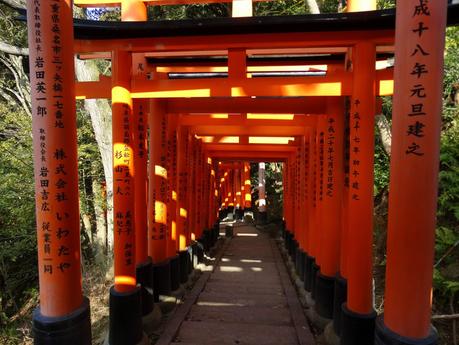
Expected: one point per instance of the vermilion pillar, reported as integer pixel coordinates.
(308, 204)
(332, 184)
(261, 193)
(133, 10)
(63, 311)
(125, 296)
(247, 187)
(182, 197)
(320, 149)
(419, 46)
(311, 266)
(238, 184)
(173, 240)
(158, 233)
(302, 220)
(143, 261)
(358, 314)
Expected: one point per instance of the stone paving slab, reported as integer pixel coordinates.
(254, 315)
(246, 299)
(241, 300)
(236, 333)
(259, 289)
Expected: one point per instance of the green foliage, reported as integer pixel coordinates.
(274, 191)
(18, 254)
(279, 8)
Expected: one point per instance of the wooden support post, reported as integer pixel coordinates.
(311, 266)
(358, 314)
(133, 10)
(419, 46)
(63, 312)
(247, 187)
(262, 194)
(158, 232)
(320, 148)
(144, 273)
(183, 229)
(302, 218)
(125, 297)
(332, 182)
(173, 241)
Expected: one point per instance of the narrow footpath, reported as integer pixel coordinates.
(247, 299)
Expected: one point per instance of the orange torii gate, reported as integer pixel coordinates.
(266, 75)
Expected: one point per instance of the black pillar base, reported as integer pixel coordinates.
(190, 259)
(263, 217)
(73, 329)
(206, 240)
(175, 272)
(194, 251)
(144, 275)
(300, 261)
(200, 252)
(216, 231)
(309, 261)
(357, 329)
(161, 279)
(295, 248)
(384, 336)
(315, 269)
(222, 214)
(340, 298)
(184, 262)
(288, 241)
(125, 326)
(325, 290)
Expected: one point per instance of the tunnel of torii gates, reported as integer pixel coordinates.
(193, 103)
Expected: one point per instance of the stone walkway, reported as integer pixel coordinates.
(247, 299)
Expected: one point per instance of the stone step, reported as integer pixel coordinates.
(261, 315)
(205, 333)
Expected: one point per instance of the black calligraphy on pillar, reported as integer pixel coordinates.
(354, 171)
(420, 69)
(321, 164)
(330, 155)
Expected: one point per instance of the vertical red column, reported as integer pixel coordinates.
(183, 231)
(158, 232)
(358, 315)
(331, 206)
(310, 133)
(419, 46)
(261, 193)
(63, 309)
(247, 187)
(302, 220)
(319, 214)
(173, 241)
(123, 173)
(125, 296)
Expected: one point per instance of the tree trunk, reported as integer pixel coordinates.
(313, 7)
(100, 113)
(384, 129)
(100, 237)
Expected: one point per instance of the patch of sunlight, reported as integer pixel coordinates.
(220, 304)
(251, 260)
(230, 269)
(246, 235)
(225, 259)
(256, 269)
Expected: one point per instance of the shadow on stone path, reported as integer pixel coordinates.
(247, 299)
